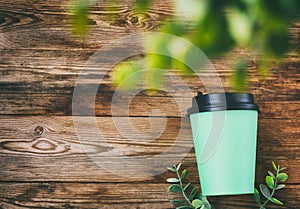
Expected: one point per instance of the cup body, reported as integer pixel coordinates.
(225, 148)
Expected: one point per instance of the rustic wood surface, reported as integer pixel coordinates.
(43, 163)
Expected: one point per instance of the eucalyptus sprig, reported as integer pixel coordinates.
(192, 198)
(272, 185)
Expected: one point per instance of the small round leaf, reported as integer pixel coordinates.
(174, 188)
(197, 203)
(270, 182)
(172, 180)
(282, 177)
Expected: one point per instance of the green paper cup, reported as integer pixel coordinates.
(224, 128)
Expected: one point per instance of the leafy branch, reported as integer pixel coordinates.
(192, 198)
(215, 27)
(272, 183)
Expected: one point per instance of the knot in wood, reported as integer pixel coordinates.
(38, 131)
(139, 20)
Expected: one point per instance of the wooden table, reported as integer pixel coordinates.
(43, 164)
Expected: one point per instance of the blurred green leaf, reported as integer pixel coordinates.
(158, 56)
(79, 16)
(127, 75)
(177, 28)
(239, 77)
(154, 78)
(190, 10)
(282, 177)
(143, 5)
(240, 26)
(277, 43)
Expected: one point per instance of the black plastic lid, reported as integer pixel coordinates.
(222, 101)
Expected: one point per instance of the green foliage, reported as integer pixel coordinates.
(192, 198)
(79, 16)
(127, 75)
(239, 77)
(143, 5)
(215, 27)
(271, 187)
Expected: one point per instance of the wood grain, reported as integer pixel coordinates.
(105, 195)
(44, 163)
(58, 154)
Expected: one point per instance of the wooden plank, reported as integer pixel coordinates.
(38, 75)
(42, 161)
(39, 92)
(31, 153)
(108, 21)
(107, 195)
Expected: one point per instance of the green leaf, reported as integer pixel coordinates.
(193, 193)
(239, 77)
(172, 180)
(183, 174)
(270, 182)
(186, 186)
(197, 203)
(284, 168)
(272, 175)
(178, 166)
(240, 26)
(185, 207)
(206, 203)
(177, 202)
(127, 75)
(143, 5)
(200, 196)
(282, 177)
(257, 196)
(265, 191)
(154, 78)
(79, 16)
(276, 201)
(174, 188)
(280, 186)
(173, 169)
(281, 39)
(274, 166)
